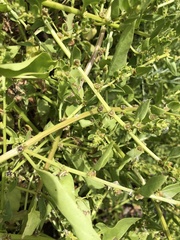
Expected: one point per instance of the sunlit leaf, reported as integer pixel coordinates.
(38, 66)
(174, 106)
(68, 207)
(32, 222)
(120, 57)
(152, 185)
(171, 190)
(118, 230)
(142, 110)
(88, 2)
(104, 158)
(175, 153)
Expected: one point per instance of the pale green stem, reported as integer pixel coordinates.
(155, 59)
(75, 11)
(28, 152)
(98, 95)
(14, 152)
(163, 221)
(165, 3)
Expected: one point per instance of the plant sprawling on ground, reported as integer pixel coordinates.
(89, 106)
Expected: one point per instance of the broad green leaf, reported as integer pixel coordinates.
(142, 111)
(70, 109)
(88, 2)
(124, 5)
(156, 110)
(118, 230)
(145, 4)
(32, 222)
(68, 182)
(75, 55)
(142, 70)
(172, 67)
(85, 207)
(171, 190)
(43, 107)
(89, 34)
(104, 158)
(159, 28)
(85, 123)
(175, 153)
(152, 185)
(120, 57)
(132, 154)
(37, 66)
(69, 22)
(93, 183)
(174, 106)
(14, 198)
(115, 9)
(3, 7)
(68, 207)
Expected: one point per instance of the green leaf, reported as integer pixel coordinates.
(13, 198)
(93, 183)
(152, 185)
(175, 153)
(75, 55)
(85, 123)
(120, 57)
(156, 110)
(159, 28)
(88, 2)
(38, 66)
(43, 107)
(172, 67)
(174, 106)
(171, 190)
(3, 7)
(68, 183)
(132, 154)
(142, 70)
(67, 206)
(142, 111)
(115, 9)
(104, 158)
(124, 5)
(32, 222)
(118, 230)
